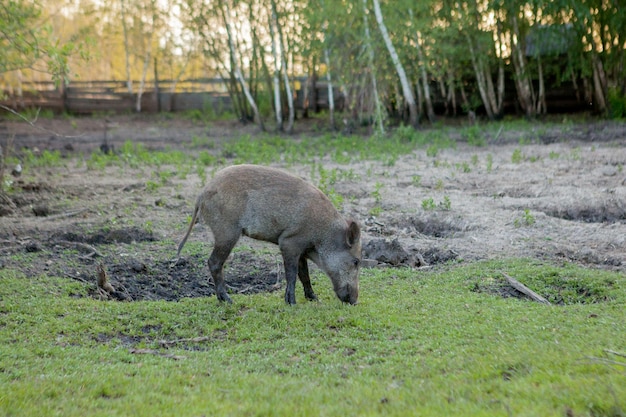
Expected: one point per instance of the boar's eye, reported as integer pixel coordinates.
(355, 261)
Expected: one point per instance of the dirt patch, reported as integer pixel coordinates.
(106, 236)
(187, 277)
(559, 195)
(609, 212)
(391, 253)
(147, 275)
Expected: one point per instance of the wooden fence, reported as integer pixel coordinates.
(89, 97)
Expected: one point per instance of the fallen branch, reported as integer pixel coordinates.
(77, 245)
(199, 339)
(67, 214)
(606, 361)
(157, 353)
(612, 352)
(525, 290)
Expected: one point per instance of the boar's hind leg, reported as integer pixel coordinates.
(303, 274)
(220, 253)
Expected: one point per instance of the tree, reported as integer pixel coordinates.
(283, 66)
(29, 43)
(378, 108)
(404, 81)
(235, 66)
(129, 82)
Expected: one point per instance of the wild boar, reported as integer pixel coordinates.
(274, 206)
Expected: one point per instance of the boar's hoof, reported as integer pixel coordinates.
(222, 296)
(290, 297)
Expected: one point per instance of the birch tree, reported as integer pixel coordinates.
(378, 108)
(331, 96)
(404, 81)
(236, 69)
(129, 80)
(278, 108)
(423, 73)
(482, 53)
(285, 69)
(152, 12)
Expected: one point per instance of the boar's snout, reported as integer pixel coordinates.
(348, 294)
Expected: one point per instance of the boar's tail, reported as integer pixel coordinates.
(194, 220)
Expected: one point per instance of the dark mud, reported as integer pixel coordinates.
(149, 276)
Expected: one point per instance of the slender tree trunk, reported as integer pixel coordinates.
(129, 82)
(441, 83)
(500, 104)
(278, 107)
(599, 83)
(288, 93)
(420, 97)
(422, 64)
(142, 83)
(541, 106)
(480, 79)
(313, 92)
(378, 109)
(331, 98)
(524, 88)
(237, 72)
(406, 85)
(258, 48)
(451, 97)
(491, 92)
(306, 96)
(430, 113)
(148, 57)
(20, 89)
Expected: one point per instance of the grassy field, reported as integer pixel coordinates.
(418, 343)
(434, 342)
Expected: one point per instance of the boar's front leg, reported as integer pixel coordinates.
(305, 279)
(290, 259)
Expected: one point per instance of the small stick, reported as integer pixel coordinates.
(87, 248)
(191, 339)
(156, 352)
(525, 290)
(612, 352)
(66, 214)
(606, 361)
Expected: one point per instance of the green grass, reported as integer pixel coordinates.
(418, 343)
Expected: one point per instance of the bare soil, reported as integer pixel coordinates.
(558, 195)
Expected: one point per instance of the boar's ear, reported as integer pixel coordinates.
(353, 233)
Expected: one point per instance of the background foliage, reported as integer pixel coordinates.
(461, 50)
